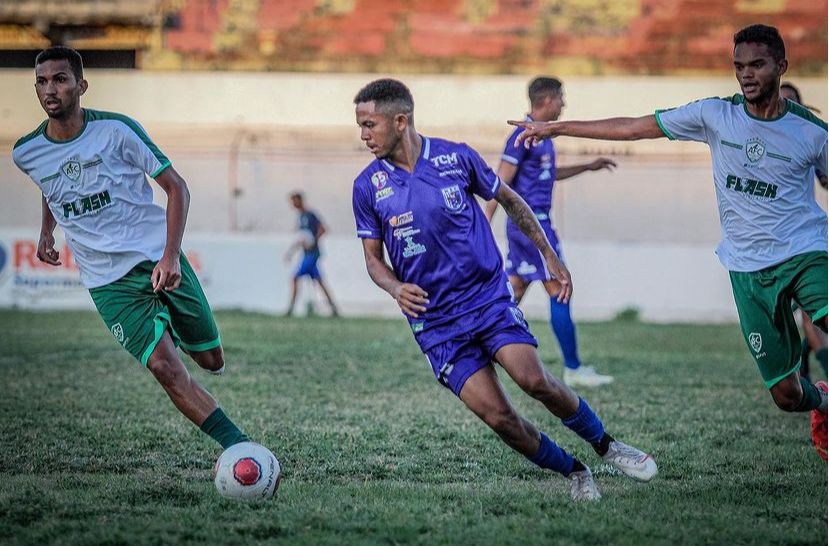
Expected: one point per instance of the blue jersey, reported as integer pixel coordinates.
(308, 221)
(436, 234)
(535, 175)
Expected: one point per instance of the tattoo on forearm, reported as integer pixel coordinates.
(526, 221)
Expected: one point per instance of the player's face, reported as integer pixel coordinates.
(380, 131)
(555, 104)
(57, 89)
(757, 72)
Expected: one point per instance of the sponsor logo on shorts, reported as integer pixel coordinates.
(756, 341)
(118, 332)
(518, 316)
(417, 327)
(526, 269)
(444, 372)
(755, 149)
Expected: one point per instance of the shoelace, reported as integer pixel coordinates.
(625, 451)
(583, 484)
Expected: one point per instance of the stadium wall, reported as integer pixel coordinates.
(665, 283)
(640, 237)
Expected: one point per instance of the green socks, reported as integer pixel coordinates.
(813, 398)
(219, 427)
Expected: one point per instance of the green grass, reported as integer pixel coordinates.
(374, 451)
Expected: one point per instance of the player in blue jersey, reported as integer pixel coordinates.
(418, 199)
(532, 173)
(765, 152)
(311, 229)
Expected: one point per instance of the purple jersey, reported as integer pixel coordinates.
(535, 175)
(436, 234)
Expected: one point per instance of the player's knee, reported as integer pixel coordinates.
(212, 360)
(537, 385)
(170, 374)
(504, 421)
(787, 396)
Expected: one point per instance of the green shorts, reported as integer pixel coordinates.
(764, 303)
(138, 317)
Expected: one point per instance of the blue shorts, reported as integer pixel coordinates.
(481, 333)
(309, 267)
(524, 260)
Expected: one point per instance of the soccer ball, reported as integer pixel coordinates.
(247, 471)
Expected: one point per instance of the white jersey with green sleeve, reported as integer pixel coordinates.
(96, 187)
(763, 175)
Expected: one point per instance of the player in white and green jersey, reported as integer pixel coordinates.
(765, 150)
(91, 168)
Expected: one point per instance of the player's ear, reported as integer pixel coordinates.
(783, 66)
(84, 85)
(401, 121)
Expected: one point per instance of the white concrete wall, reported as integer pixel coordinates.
(642, 236)
(665, 282)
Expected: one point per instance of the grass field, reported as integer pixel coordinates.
(376, 452)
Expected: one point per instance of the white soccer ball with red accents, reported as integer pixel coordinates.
(247, 471)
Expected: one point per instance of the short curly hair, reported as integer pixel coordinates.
(59, 53)
(762, 34)
(388, 94)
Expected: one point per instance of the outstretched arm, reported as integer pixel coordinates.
(411, 298)
(573, 170)
(523, 217)
(506, 172)
(167, 272)
(604, 129)
(46, 243)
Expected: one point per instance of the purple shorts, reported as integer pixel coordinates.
(481, 333)
(524, 259)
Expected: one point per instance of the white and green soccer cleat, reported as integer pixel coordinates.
(583, 487)
(630, 461)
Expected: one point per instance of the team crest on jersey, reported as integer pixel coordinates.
(72, 169)
(756, 341)
(118, 332)
(452, 197)
(755, 149)
(379, 179)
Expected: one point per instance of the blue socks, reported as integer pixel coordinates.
(565, 332)
(552, 457)
(585, 423)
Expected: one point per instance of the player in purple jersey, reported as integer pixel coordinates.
(774, 241)
(446, 274)
(532, 173)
